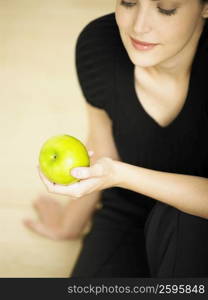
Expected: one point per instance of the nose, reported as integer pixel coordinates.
(142, 21)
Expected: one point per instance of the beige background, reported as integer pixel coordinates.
(40, 97)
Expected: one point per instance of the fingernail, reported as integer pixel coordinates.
(80, 173)
(76, 173)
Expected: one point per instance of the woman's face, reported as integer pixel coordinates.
(174, 25)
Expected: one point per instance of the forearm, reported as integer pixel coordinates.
(184, 192)
(78, 213)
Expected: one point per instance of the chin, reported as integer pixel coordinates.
(144, 60)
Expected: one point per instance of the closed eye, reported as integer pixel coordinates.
(167, 12)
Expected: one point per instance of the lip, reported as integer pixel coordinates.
(140, 45)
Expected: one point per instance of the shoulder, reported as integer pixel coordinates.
(99, 41)
(97, 46)
(101, 30)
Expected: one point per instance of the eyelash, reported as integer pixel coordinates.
(161, 10)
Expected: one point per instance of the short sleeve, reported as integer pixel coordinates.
(95, 61)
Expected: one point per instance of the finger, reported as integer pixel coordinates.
(95, 170)
(72, 190)
(43, 177)
(45, 180)
(77, 189)
(37, 227)
(90, 152)
(69, 190)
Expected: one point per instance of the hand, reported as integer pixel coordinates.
(51, 216)
(97, 177)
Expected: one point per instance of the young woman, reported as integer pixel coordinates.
(143, 73)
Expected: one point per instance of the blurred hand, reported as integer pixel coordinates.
(51, 217)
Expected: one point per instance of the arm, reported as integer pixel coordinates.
(69, 221)
(184, 192)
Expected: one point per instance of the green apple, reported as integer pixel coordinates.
(59, 154)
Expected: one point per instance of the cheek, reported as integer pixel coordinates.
(182, 27)
(123, 19)
(181, 34)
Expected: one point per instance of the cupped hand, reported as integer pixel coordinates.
(50, 219)
(99, 176)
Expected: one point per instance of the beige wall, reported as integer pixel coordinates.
(39, 97)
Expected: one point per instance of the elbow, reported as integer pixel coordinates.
(204, 212)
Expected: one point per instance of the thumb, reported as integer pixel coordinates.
(86, 172)
(90, 152)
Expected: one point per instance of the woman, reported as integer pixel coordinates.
(142, 71)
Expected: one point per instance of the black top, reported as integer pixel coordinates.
(106, 76)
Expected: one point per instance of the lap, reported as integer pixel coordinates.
(108, 251)
(176, 243)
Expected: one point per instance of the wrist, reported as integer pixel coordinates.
(118, 173)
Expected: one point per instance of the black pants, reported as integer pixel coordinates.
(176, 243)
(172, 244)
